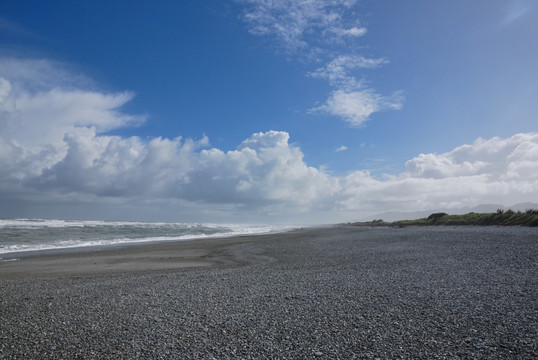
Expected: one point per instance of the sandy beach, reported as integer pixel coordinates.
(334, 292)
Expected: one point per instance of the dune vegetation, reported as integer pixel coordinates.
(500, 218)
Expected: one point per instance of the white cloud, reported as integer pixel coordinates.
(54, 141)
(70, 158)
(5, 89)
(341, 148)
(356, 106)
(352, 101)
(494, 157)
(338, 71)
(318, 30)
(264, 169)
(353, 31)
(292, 23)
(34, 75)
(501, 171)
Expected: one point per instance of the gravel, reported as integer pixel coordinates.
(327, 293)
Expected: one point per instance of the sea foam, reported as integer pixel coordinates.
(19, 235)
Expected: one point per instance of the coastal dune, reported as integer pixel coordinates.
(332, 292)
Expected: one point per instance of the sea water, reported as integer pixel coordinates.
(18, 235)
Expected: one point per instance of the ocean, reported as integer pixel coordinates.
(23, 235)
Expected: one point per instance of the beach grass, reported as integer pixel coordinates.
(499, 218)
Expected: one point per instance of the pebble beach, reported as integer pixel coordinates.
(339, 292)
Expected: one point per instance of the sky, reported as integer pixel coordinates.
(306, 111)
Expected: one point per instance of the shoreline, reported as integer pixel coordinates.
(169, 255)
(128, 257)
(178, 232)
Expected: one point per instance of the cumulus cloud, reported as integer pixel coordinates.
(264, 168)
(501, 171)
(40, 114)
(496, 157)
(324, 31)
(356, 106)
(54, 145)
(55, 140)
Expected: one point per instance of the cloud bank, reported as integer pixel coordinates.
(494, 171)
(55, 144)
(325, 31)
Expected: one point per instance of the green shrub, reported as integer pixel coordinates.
(507, 218)
(437, 216)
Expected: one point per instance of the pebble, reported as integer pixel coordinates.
(335, 293)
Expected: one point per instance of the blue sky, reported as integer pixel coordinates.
(372, 104)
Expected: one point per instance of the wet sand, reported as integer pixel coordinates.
(335, 292)
(132, 258)
(120, 259)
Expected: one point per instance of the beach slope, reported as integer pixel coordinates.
(335, 292)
